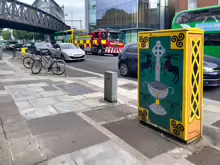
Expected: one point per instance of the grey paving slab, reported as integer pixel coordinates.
(45, 111)
(18, 147)
(75, 89)
(20, 86)
(211, 118)
(165, 159)
(207, 156)
(94, 102)
(111, 113)
(93, 95)
(70, 107)
(25, 96)
(57, 143)
(43, 102)
(63, 159)
(133, 102)
(44, 163)
(8, 109)
(40, 84)
(217, 124)
(49, 88)
(33, 90)
(4, 152)
(52, 93)
(29, 158)
(11, 127)
(64, 133)
(4, 92)
(18, 135)
(6, 99)
(37, 112)
(5, 161)
(212, 133)
(12, 119)
(1, 131)
(107, 153)
(179, 153)
(141, 137)
(129, 86)
(68, 98)
(56, 82)
(23, 104)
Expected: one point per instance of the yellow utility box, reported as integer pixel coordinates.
(170, 81)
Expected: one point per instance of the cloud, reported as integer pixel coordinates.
(73, 8)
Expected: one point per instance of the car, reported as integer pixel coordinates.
(128, 60)
(211, 71)
(67, 52)
(49, 45)
(10, 45)
(18, 46)
(128, 65)
(39, 48)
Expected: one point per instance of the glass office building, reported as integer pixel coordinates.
(120, 14)
(136, 15)
(92, 15)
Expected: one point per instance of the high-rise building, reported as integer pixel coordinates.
(90, 15)
(192, 4)
(129, 16)
(121, 14)
(51, 7)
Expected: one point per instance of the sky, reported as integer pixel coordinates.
(73, 8)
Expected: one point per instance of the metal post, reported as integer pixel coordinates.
(14, 53)
(0, 52)
(110, 86)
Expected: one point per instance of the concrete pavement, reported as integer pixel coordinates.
(53, 120)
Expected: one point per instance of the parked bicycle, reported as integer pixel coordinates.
(58, 67)
(28, 61)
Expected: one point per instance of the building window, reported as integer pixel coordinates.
(192, 4)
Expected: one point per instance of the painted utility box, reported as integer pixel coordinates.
(171, 81)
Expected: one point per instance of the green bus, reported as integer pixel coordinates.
(207, 19)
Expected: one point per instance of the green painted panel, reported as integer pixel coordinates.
(165, 84)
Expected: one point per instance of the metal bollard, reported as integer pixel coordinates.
(14, 53)
(1, 52)
(110, 86)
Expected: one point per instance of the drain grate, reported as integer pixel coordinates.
(207, 156)
(75, 89)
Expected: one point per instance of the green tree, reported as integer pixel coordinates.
(6, 35)
(18, 34)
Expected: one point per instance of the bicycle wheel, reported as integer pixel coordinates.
(36, 67)
(28, 62)
(58, 68)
